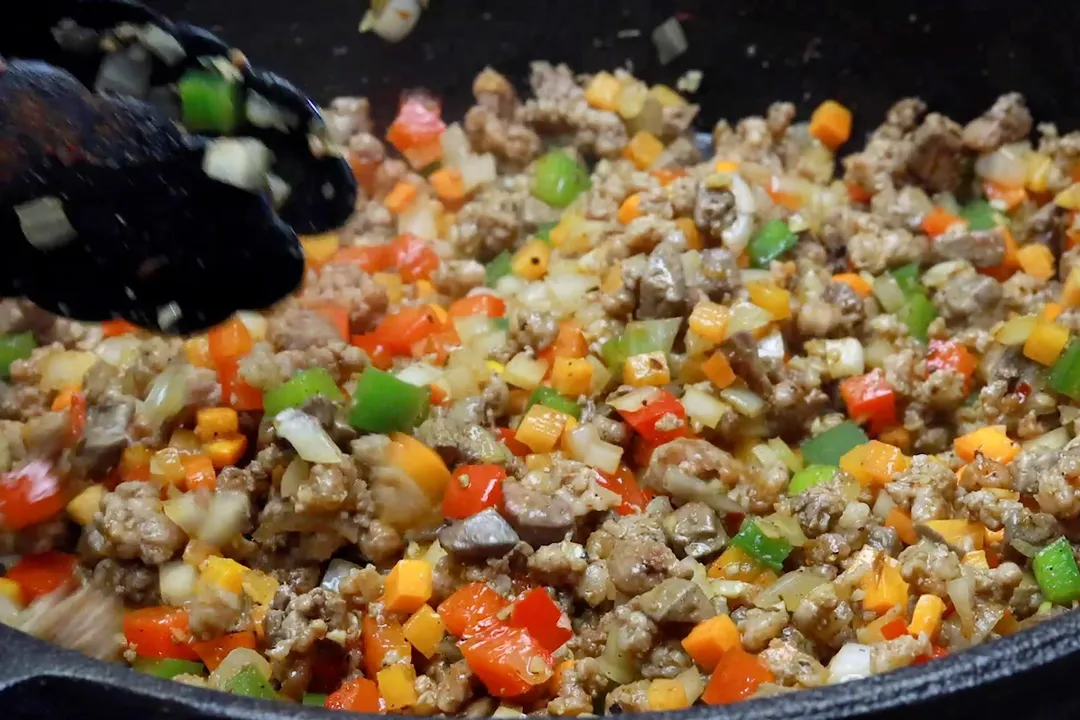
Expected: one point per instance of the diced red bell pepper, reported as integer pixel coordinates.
(159, 632)
(357, 695)
(951, 355)
(382, 637)
(507, 438)
(42, 573)
(736, 677)
(894, 628)
(469, 608)
(440, 344)
(645, 419)
(414, 258)
(236, 392)
(212, 652)
(936, 652)
(372, 344)
(229, 341)
(401, 331)
(623, 482)
(418, 123)
(536, 612)
(336, 314)
(30, 495)
(369, 258)
(508, 660)
(870, 398)
(473, 488)
(116, 328)
(76, 417)
(487, 304)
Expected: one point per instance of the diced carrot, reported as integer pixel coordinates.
(408, 586)
(229, 341)
(831, 124)
(1005, 197)
(570, 341)
(448, 185)
(159, 632)
(855, 282)
(939, 220)
(216, 422)
(384, 643)
(926, 618)
(369, 258)
(628, 211)
(212, 652)
(874, 463)
(709, 640)
(400, 197)
(990, 441)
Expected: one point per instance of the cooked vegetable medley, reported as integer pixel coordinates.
(573, 418)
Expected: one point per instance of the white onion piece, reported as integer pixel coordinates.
(455, 146)
(633, 400)
(524, 371)
(793, 461)
(937, 276)
(296, 474)
(120, 351)
(569, 290)
(307, 437)
(888, 293)
(176, 582)
(1004, 166)
(670, 40)
(584, 444)
(790, 589)
(751, 275)
(844, 358)
(746, 317)
(65, 368)
(508, 711)
(236, 661)
(882, 505)
(394, 22)
(744, 401)
(477, 171)
(875, 354)
(186, 512)
(1053, 440)
(1015, 330)
(962, 593)
(9, 611)
(471, 326)
(225, 518)
(240, 162)
(616, 663)
(745, 203)
(852, 662)
(737, 235)
(601, 376)
(771, 347)
(125, 72)
(703, 408)
(782, 526)
(168, 394)
(420, 374)
(255, 323)
(44, 223)
(419, 220)
(337, 571)
(692, 683)
(263, 113)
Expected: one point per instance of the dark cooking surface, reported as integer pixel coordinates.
(804, 52)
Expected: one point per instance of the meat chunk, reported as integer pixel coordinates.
(637, 566)
(714, 210)
(558, 565)
(818, 508)
(675, 600)
(757, 628)
(982, 248)
(824, 617)
(538, 520)
(136, 583)
(793, 666)
(295, 623)
(1007, 121)
(936, 160)
(971, 295)
(346, 117)
(512, 141)
(296, 328)
(694, 531)
(681, 467)
(663, 285)
(1057, 493)
(481, 536)
(105, 435)
(717, 279)
(348, 285)
(132, 525)
(876, 252)
(929, 566)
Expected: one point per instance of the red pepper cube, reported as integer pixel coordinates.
(414, 258)
(623, 483)
(737, 676)
(951, 355)
(159, 632)
(30, 495)
(536, 612)
(657, 408)
(870, 398)
(508, 660)
(467, 611)
(418, 123)
(40, 574)
(472, 489)
(401, 331)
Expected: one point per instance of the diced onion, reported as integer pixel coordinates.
(844, 358)
(692, 683)
(752, 275)
(601, 376)
(737, 235)
(176, 581)
(1015, 331)
(792, 460)
(186, 512)
(771, 347)
(240, 162)
(1053, 440)
(471, 326)
(295, 475)
(168, 394)
(263, 113)
(568, 289)
(9, 611)
(419, 220)
(888, 292)
(236, 661)
(420, 374)
(633, 400)
(162, 44)
(852, 662)
(882, 505)
(744, 401)
(525, 371)
(962, 593)
(615, 663)
(337, 571)
(255, 323)
(670, 40)
(225, 518)
(875, 354)
(455, 146)
(508, 711)
(66, 368)
(783, 526)
(125, 72)
(120, 351)
(703, 408)
(307, 437)
(584, 444)
(789, 589)
(477, 171)
(44, 223)
(394, 21)
(1069, 198)
(940, 274)
(1004, 166)
(746, 317)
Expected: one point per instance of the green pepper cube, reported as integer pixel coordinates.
(907, 277)
(917, 314)
(301, 387)
(384, 404)
(558, 179)
(831, 445)
(168, 668)
(808, 477)
(1056, 572)
(981, 215)
(209, 102)
(314, 699)
(249, 682)
(769, 551)
(645, 336)
(615, 353)
(1065, 373)
(499, 268)
(772, 241)
(15, 346)
(555, 400)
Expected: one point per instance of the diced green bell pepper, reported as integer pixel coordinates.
(210, 102)
(383, 404)
(772, 241)
(543, 231)
(831, 445)
(980, 215)
(558, 179)
(168, 668)
(249, 682)
(301, 387)
(1056, 572)
(769, 551)
(917, 313)
(640, 336)
(314, 699)
(810, 476)
(907, 277)
(499, 268)
(555, 400)
(500, 323)
(15, 346)
(1065, 373)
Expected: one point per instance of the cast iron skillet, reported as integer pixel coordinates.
(958, 56)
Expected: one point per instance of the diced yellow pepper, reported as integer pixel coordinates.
(961, 533)
(771, 297)
(408, 586)
(225, 573)
(84, 506)
(990, 441)
(226, 451)
(667, 694)
(709, 320)
(167, 467)
(541, 428)
(531, 260)
(666, 96)
(196, 552)
(612, 281)
(735, 564)
(603, 91)
(397, 685)
(496, 367)
(320, 248)
(260, 586)
(538, 462)
(392, 284)
(976, 558)
(1036, 260)
(690, 232)
(424, 288)
(12, 591)
(1070, 294)
(710, 639)
(440, 312)
(884, 587)
(647, 370)
(424, 630)
(926, 618)
(572, 376)
(425, 466)
(874, 463)
(643, 149)
(216, 422)
(1046, 342)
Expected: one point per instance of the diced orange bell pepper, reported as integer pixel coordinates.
(990, 441)
(425, 466)
(159, 632)
(831, 124)
(30, 495)
(486, 304)
(874, 463)
(939, 220)
(212, 652)
(737, 676)
(625, 484)
(710, 639)
(384, 644)
(369, 258)
(408, 586)
(413, 257)
(470, 608)
(229, 341)
(425, 630)
(870, 398)
(358, 695)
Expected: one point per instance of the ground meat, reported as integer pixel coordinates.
(136, 583)
(1057, 494)
(675, 600)
(694, 531)
(662, 291)
(876, 252)
(560, 106)
(927, 488)
(296, 328)
(105, 435)
(633, 697)
(936, 160)
(295, 623)
(968, 296)
(265, 369)
(458, 439)
(538, 519)
(455, 278)
(884, 159)
(982, 248)
(132, 525)
(558, 565)
(792, 666)
(817, 508)
(666, 660)
(714, 210)
(348, 285)
(1036, 528)
(1007, 121)
(577, 686)
(757, 628)
(46, 434)
(824, 617)
(717, 279)
(454, 684)
(509, 140)
(697, 459)
(928, 566)
(638, 566)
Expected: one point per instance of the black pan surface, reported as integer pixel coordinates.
(959, 56)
